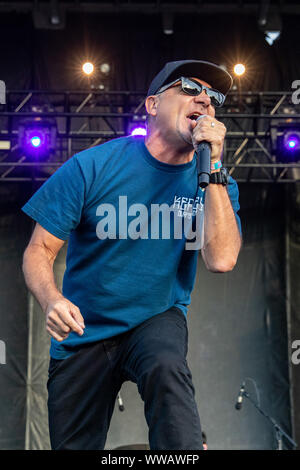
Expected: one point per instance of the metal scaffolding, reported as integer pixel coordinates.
(84, 119)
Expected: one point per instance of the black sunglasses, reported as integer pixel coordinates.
(193, 88)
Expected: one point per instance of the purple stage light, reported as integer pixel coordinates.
(138, 131)
(35, 141)
(285, 142)
(291, 141)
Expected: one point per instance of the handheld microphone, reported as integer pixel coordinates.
(239, 402)
(203, 152)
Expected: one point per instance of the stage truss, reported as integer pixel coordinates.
(84, 119)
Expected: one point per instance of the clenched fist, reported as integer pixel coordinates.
(62, 317)
(211, 130)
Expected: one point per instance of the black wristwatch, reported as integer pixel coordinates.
(220, 177)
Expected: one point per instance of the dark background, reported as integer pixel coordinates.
(136, 46)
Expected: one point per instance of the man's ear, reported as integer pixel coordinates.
(151, 104)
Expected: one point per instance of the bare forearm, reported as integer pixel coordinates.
(222, 240)
(39, 277)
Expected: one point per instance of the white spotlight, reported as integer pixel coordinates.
(88, 68)
(239, 69)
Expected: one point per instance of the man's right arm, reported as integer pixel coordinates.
(62, 316)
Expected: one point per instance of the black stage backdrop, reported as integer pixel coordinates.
(237, 321)
(137, 48)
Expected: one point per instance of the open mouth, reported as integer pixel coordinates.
(194, 116)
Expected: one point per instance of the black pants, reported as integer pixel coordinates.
(83, 387)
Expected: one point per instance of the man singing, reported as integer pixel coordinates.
(122, 311)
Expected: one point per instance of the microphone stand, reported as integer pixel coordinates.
(279, 432)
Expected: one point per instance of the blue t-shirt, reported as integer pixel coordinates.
(121, 267)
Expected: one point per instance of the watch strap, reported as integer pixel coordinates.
(219, 177)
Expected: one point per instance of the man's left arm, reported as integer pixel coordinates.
(222, 238)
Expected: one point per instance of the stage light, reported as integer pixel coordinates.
(35, 141)
(239, 69)
(5, 145)
(139, 131)
(263, 12)
(88, 68)
(285, 141)
(37, 138)
(291, 141)
(137, 126)
(168, 23)
(55, 14)
(105, 68)
(50, 16)
(271, 36)
(270, 23)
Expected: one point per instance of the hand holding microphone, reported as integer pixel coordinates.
(208, 140)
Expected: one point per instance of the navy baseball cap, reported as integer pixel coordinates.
(211, 73)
